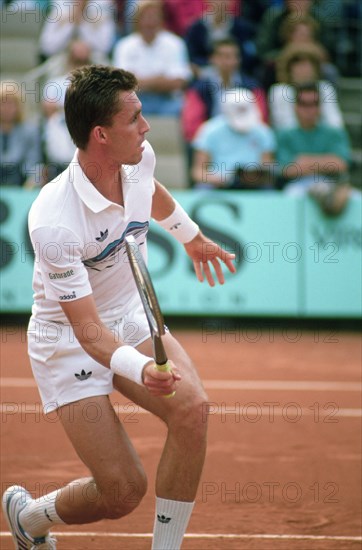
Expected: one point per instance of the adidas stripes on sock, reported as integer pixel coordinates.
(40, 515)
(172, 518)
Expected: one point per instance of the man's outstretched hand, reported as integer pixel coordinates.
(204, 252)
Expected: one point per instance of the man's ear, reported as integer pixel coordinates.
(99, 134)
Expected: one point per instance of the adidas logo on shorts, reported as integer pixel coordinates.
(83, 375)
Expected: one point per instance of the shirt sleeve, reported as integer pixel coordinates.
(58, 254)
(201, 141)
(268, 144)
(340, 144)
(121, 54)
(179, 66)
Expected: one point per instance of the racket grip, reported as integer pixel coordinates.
(165, 367)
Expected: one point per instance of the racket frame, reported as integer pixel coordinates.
(149, 300)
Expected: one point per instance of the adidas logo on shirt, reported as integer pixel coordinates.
(103, 236)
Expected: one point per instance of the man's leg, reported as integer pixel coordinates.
(182, 460)
(118, 482)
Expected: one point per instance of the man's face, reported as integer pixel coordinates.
(9, 110)
(307, 109)
(226, 59)
(302, 71)
(126, 134)
(149, 23)
(302, 33)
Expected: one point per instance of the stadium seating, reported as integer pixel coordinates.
(19, 33)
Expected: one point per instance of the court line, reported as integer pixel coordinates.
(283, 385)
(79, 534)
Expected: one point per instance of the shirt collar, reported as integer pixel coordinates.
(91, 197)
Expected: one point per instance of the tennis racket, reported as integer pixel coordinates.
(150, 304)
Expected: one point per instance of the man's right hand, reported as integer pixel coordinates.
(160, 383)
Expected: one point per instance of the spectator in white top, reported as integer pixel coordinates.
(159, 60)
(68, 20)
(297, 65)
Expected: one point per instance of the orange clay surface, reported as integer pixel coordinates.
(283, 468)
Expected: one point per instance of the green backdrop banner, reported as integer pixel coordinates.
(292, 261)
(333, 275)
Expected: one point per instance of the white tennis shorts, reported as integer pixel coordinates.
(64, 372)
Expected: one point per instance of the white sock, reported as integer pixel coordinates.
(40, 515)
(172, 517)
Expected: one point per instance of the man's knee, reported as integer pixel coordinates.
(121, 497)
(192, 414)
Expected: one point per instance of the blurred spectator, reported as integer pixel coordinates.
(77, 54)
(126, 13)
(314, 157)
(180, 14)
(219, 21)
(306, 31)
(300, 31)
(234, 149)
(19, 140)
(299, 65)
(205, 96)
(57, 145)
(68, 20)
(159, 60)
(269, 39)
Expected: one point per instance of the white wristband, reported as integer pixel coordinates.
(180, 225)
(128, 362)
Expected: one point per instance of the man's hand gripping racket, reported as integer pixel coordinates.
(150, 304)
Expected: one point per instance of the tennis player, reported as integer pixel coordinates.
(88, 333)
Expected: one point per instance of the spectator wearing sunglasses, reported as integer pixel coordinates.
(312, 157)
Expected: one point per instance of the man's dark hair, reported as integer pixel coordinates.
(307, 87)
(224, 42)
(92, 99)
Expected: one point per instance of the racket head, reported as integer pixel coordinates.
(145, 288)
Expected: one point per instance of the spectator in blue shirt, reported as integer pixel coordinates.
(234, 149)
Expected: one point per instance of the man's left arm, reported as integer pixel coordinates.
(170, 215)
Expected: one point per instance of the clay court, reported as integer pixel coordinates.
(283, 469)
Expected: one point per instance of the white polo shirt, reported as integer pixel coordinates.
(78, 239)
(166, 55)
